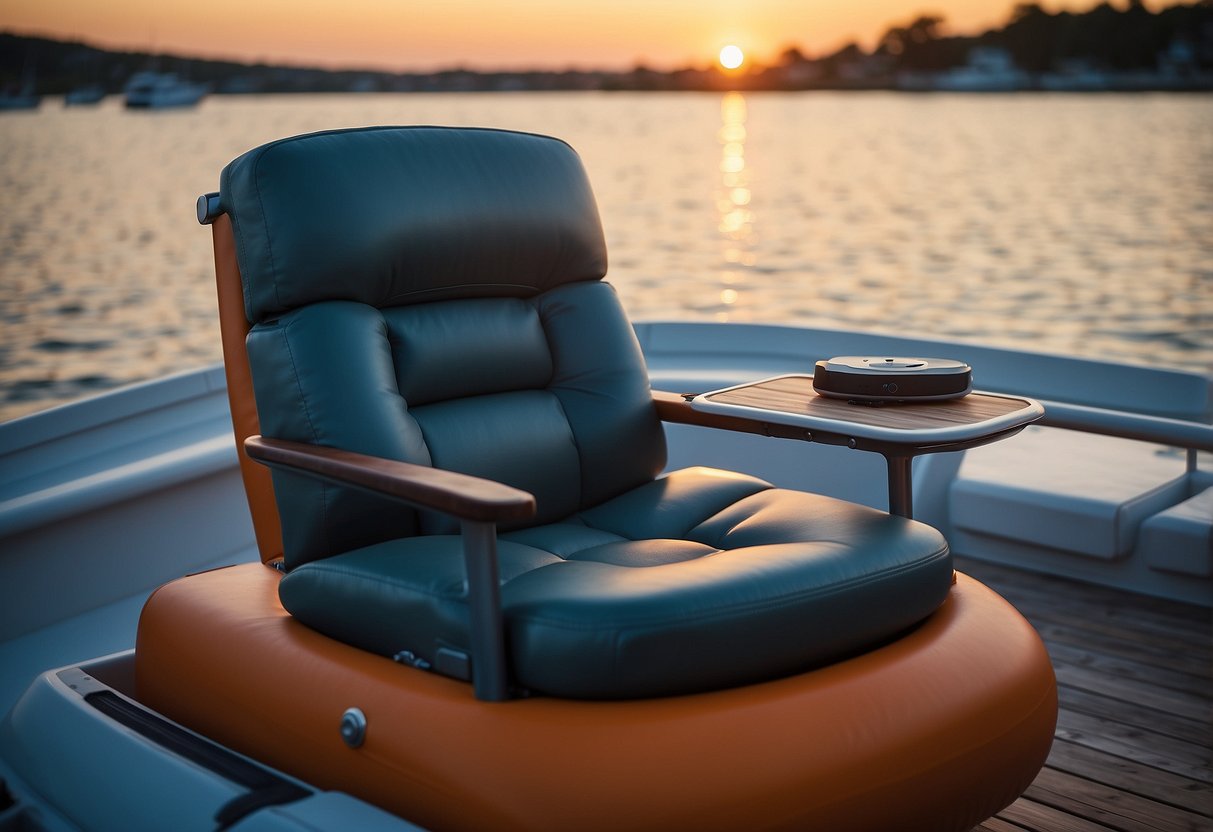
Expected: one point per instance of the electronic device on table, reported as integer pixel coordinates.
(877, 379)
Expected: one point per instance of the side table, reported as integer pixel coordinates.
(788, 406)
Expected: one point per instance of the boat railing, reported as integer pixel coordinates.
(1178, 433)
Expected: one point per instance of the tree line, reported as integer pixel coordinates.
(1106, 37)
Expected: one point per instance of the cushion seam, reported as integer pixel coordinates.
(732, 610)
(550, 389)
(714, 551)
(307, 414)
(337, 569)
(716, 543)
(387, 580)
(440, 290)
(269, 250)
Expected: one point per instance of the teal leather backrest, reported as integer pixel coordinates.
(461, 323)
(396, 215)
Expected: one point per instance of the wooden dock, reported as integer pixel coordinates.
(1134, 744)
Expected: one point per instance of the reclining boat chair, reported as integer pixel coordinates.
(491, 610)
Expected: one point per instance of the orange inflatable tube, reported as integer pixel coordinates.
(936, 731)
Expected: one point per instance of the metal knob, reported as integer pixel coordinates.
(353, 727)
(208, 208)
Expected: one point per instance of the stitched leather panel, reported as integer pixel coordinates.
(323, 374)
(522, 439)
(563, 394)
(600, 379)
(466, 348)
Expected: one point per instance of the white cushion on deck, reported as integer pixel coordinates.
(1079, 492)
(1180, 539)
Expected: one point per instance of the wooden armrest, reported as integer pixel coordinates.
(673, 407)
(459, 495)
(479, 503)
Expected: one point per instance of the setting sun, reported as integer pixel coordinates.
(491, 36)
(731, 57)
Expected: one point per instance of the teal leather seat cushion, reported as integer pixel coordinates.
(699, 580)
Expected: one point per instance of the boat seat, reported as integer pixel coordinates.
(435, 296)
(467, 480)
(1180, 539)
(1064, 490)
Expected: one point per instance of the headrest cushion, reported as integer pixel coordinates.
(390, 216)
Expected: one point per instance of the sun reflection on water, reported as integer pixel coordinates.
(736, 222)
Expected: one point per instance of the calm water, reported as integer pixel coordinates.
(1081, 224)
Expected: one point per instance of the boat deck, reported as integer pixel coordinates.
(1134, 744)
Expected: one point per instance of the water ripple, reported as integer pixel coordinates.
(1075, 223)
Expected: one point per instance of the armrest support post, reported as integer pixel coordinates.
(489, 671)
(478, 504)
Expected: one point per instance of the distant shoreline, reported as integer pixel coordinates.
(1105, 49)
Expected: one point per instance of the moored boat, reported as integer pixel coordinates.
(20, 98)
(23, 94)
(162, 90)
(84, 96)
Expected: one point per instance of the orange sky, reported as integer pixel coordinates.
(487, 34)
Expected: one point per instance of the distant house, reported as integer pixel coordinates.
(865, 68)
(989, 69)
(1178, 59)
(1075, 75)
(802, 73)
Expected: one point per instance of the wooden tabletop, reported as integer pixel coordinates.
(791, 399)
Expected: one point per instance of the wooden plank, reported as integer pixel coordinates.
(1186, 759)
(997, 824)
(1052, 587)
(1102, 804)
(1095, 593)
(1138, 626)
(1119, 667)
(1107, 608)
(1134, 747)
(1152, 654)
(1038, 817)
(1133, 777)
(1126, 623)
(1140, 691)
(1136, 715)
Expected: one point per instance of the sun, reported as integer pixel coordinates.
(731, 57)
